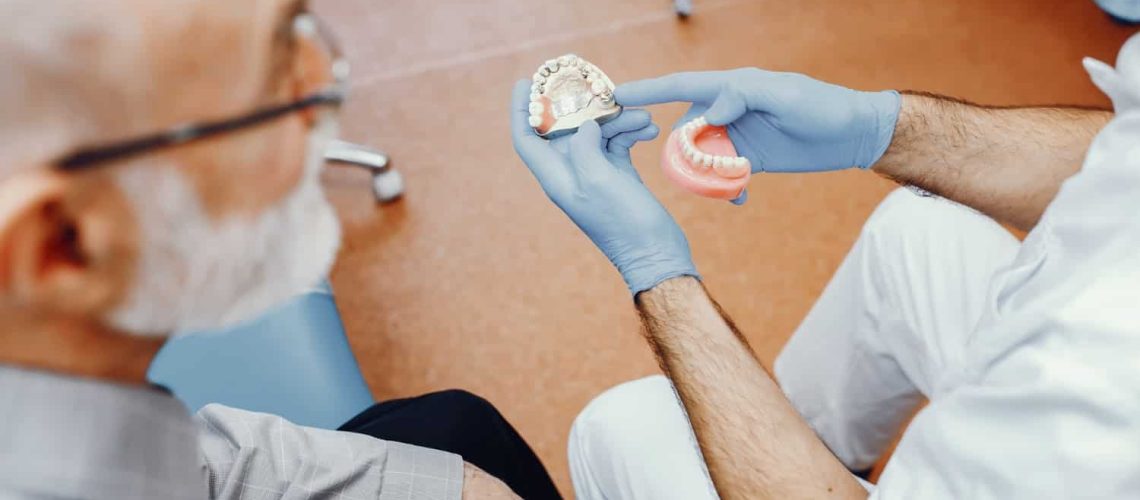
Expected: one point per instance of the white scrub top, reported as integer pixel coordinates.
(1047, 403)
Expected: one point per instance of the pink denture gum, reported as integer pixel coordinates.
(701, 158)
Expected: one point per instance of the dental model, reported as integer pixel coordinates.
(701, 158)
(567, 91)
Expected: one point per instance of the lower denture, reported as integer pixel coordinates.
(726, 175)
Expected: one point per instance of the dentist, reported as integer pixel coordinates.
(1027, 350)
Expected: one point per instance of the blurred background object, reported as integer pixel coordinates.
(684, 8)
(1124, 11)
(387, 182)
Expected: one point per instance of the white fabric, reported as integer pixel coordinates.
(1030, 354)
(634, 442)
(895, 312)
(1046, 401)
(892, 320)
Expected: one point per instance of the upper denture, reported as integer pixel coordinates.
(567, 91)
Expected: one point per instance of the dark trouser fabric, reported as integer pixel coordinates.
(464, 424)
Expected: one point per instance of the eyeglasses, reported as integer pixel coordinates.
(304, 25)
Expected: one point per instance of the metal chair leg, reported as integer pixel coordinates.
(387, 183)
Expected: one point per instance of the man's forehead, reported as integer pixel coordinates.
(253, 14)
(178, 8)
(87, 72)
(219, 56)
(221, 33)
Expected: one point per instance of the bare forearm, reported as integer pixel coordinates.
(1005, 162)
(755, 444)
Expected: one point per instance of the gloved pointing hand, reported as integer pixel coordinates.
(781, 122)
(590, 177)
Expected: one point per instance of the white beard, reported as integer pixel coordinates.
(194, 273)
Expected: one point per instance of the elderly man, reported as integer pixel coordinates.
(1026, 350)
(119, 224)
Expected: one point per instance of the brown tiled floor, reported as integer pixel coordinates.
(476, 281)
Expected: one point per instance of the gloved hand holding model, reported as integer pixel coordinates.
(590, 177)
(780, 122)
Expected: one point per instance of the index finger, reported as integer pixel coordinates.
(699, 86)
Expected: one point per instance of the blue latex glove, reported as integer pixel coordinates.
(590, 177)
(781, 122)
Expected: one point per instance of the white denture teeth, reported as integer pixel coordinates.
(733, 167)
(570, 90)
(725, 166)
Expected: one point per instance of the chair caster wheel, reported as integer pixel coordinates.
(683, 8)
(388, 186)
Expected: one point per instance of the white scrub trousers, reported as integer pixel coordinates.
(896, 314)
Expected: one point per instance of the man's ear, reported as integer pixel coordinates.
(65, 243)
